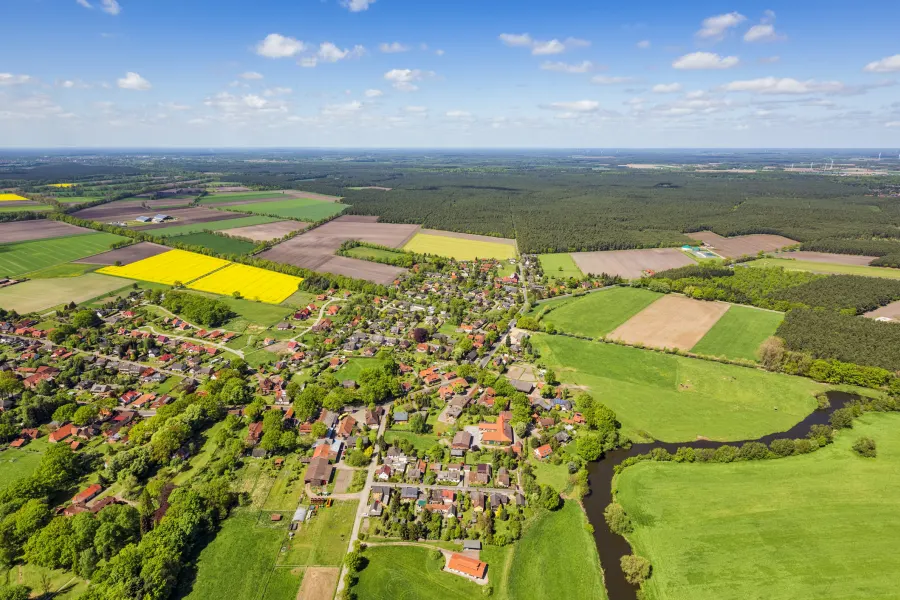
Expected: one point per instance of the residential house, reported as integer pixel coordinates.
(543, 451)
(499, 433)
(319, 472)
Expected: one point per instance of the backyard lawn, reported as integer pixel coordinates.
(739, 333)
(559, 266)
(821, 526)
(323, 540)
(16, 463)
(355, 366)
(411, 573)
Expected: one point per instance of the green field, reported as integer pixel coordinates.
(239, 561)
(739, 333)
(355, 366)
(283, 584)
(24, 257)
(412, 573)
(16, 463)
(77, 199)
(322, 541)
(373, 254)
(35, 208)
(62, 270)
(227, 196)
(304, 209)
(175, 230)
(556, 558)
(598, 313)
(250, 313)
(41, 294)
(829, 268)
(676, 399)
(458, 248)
(821, 526)
(217, 243)
(421, 442)
(559, 265)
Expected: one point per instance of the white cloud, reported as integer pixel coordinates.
(695, 94)
(578, 106)
(84, 3)
(373, 93)
(244, 106)
(392, 48)
(714, 28)
(705, 60)
(342, 109)
(357, 5)
(611, 80)
(328, 52)
(278, 46)
(308, 61)
(404, 79)
(277, 91)
(133, 81)
(885, 65)
(458, 114)
(539, 47)
(562, 67)
(10, 79)
(785, 85)
(250, 75)
(174, 106)
(763, 33)
(666, 88)
(110, 7)
(439, 52)
(892, 124)
(643, 44)
(416, 110)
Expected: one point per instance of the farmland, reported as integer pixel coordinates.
(266, 231)
(240, 196)
(303, 209)
(671, 322)
(739, 333)
(24, 257)
(250, 282)
(630, 264)
(460, 246)
(826, 257)
(168, 267)
(126, 255)
(598, 313)
(825, 522)
(216, 243)
(560, 265)
(673, 398)
(174, 230)
(41, 294)
(742, 245)
(9, 197)
(828, 268)
(24, 231)
(323, 540)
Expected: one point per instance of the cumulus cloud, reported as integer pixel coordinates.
(392, 48)
(666, 88)
(329, 52)
(110, 7)
(404, 79)
(785, 85)
(705, 60)
(279, 46)
(765, 31)
(357, 5)
(373, 93)
(10, 79)
(643, 44)
(247, 105)
(562, 67)
(885, 65)
(541, 47)
(714, 28)
(578, 106)
(174, 106)
(133, 81)
(277, 91)
(250, 75)
(611, 80)
(84, 3)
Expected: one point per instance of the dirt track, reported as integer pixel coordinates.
(630, 263)
(41, 229)
(671, 322)
(742, 245)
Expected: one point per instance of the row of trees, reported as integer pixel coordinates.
(197, 309)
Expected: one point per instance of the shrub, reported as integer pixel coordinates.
(783, 447)
(865, 447)
(619, 522)
(636, 569)
(842, 418)
(753, 451)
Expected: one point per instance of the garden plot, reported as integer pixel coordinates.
(631, 264)
(24, 231)
(742, 245)
(671, 322)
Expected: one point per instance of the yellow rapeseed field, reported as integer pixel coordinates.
(11, 197)
(458, 248)
(169, 267)
(62, 185)
(250, 282)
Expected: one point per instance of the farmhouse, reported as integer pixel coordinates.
(319, 472)
(499, 433)
(466, 566)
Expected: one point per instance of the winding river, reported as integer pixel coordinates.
(612, 547)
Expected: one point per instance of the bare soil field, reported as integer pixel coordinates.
(267, 231)
(315, 249)
(671, 322)
(469, 236)
(42, 229)
(319, 583)
(126, 255)
(741, 245)
(825, 257)
(630, 264)
(891, 311)
(181, 216)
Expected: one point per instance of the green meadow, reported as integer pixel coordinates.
(598, 313)
(739, 333)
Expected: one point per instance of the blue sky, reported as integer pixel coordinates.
(442, 73)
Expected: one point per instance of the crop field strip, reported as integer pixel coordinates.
(9, 197)
(827, 268)
(250, 282)
(175, 230)
(304, 209)
(24, 231)
(598, 313)
(169, 267)
(671, 322)
(24, 257)
(458, 247)
(739, 333)
(41, 294)
(216, 243)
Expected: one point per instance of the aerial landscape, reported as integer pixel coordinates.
(376, 300)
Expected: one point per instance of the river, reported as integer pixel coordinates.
(612, 547)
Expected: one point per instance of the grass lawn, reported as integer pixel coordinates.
(199, 461)
(25, 257)
(372, 253)
(739, 333)
(323, 540)
(41, 294)
(355, 366)
(250, 313)
(175, 230)
(305, 209)
(300, 299)
(559, 265)
(598, 313)
(64, 585)
(217, 243)
(283, 584)
(288, 487)
(238, 562)
(556, 558)
(676, 399)
(412, 573)
(422, 443)
(821, 526)
(458, 248)
(546, 473)
(831, 268)
(16, 463)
